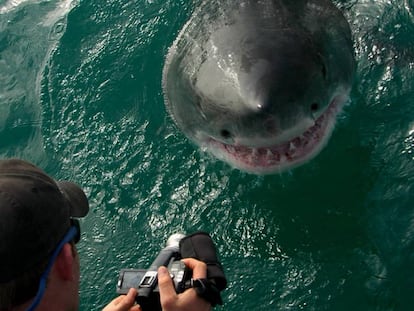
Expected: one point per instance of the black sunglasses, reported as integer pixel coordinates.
(75, 223)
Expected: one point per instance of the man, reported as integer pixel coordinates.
(39, 263)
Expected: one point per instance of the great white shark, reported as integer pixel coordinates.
(259, 83)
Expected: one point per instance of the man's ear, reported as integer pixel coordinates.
(64, 263)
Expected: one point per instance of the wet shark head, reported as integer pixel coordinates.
(259, 83)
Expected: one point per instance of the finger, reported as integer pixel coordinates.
(117, 300)
(130, 297)
(128, 301)
(113, 304)
(199, 268)
(166, 287)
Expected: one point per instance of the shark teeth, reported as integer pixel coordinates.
(296, 150)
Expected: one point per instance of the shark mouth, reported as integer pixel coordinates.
(262, 160)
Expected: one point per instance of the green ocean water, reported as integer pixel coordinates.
(80, 95)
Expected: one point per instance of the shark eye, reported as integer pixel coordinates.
(314, 107)
(225, 134)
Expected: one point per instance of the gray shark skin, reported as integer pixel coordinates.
(259, 83)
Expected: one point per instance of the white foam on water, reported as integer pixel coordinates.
(62, 7)
(12, 4)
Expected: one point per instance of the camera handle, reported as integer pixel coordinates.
(207, 290)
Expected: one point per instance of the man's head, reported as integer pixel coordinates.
(35, 215)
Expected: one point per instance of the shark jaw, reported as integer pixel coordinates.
(283, 156)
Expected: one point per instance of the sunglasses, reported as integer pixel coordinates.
(75, 223)
(73, 234)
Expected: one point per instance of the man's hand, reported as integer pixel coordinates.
(187, 301)
(124, 302)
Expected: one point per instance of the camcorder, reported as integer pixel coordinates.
(198, 245)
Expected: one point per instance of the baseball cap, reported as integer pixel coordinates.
(35, 213)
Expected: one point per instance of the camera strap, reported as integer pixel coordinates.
(206, 290)
(200, 246)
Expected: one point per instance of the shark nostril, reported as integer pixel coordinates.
(324, 71)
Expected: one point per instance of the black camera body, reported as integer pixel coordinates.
(148, 293)
(198, 245)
